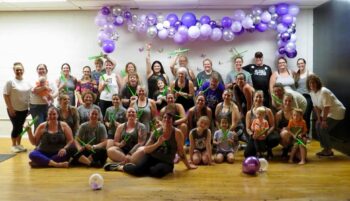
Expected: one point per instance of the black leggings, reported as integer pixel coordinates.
(270, 142)
(149, 165)
(17, 122)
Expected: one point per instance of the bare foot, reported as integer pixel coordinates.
(301, 163)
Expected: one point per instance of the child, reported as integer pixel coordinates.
(260, 127)
(200, 143)
(115, 115)
(297, 128)
(46, 93)
(226, 142)
(160, 94)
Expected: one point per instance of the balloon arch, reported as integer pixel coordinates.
(280, 17)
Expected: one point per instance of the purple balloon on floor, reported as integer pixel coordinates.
(251, 165)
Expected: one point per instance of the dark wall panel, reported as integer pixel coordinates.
(332, 59)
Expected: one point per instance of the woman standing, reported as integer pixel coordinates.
(108, 86)
(53, 140)
(16, 94)
(67, 83)
(329, 111)
(154, 72)
(38, 106)
(184, 89)
(300, 83)
(283, 75)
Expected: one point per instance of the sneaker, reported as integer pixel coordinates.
(324, 153)
(15, 149)
(21, 148)
(111, 166)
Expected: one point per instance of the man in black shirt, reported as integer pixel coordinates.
(261, 74)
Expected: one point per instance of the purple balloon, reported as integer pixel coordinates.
(226, 22)
(287, 19)
(212, 23)
(177, 24)
(261, 27)
(281, 50)
(205, 19)
(105, 10)
(172, 18)
(151, 19)
(251, 165)
(108, 46)
(285, 36)
(127, 15)
(292, 54)
(282, 9)
(188, 19)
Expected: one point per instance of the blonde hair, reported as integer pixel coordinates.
(261, 110)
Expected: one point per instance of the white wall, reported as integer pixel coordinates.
(57, 37)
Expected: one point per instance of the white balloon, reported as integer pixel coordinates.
(96, 181)
(263, 164)
(194, 32)
(166, 24)
(160, 26)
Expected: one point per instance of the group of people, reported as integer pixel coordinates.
(143, 128)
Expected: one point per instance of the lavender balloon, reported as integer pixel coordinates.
(290, 47)
(265, 17)
(100, 20)
(251, 165)
(216, 34)
(163, 34)
(118, 21)
(151, 19)
(108, 46)
(281, 28)
(236, 27)
(282, 9)
(205, 19)
(183, 30)
(238, 15)
(247, 23)
(293, 10)
(287, 19)
(205, 30)
(272, 9)
(180, 39)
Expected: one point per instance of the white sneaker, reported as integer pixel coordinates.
(21, 148)
(15, 149)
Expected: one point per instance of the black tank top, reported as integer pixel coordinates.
(187, 103)
(51, 143)
(166, 152)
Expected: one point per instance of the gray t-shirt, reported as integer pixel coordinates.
(86, 133)
(224, 145)
(231, 77)
(84, 112)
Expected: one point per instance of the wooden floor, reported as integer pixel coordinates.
(320, 179)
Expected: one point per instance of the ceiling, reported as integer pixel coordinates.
(29, 5)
